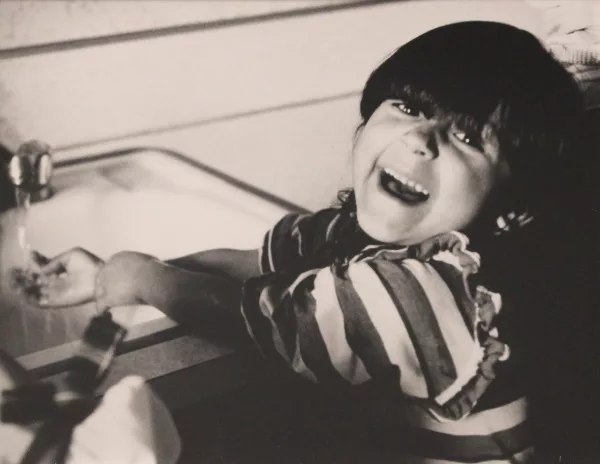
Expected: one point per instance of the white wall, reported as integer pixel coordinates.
(273, 103)
(34, 22)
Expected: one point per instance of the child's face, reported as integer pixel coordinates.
(415, 177)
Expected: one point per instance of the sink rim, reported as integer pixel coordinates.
(56, 359)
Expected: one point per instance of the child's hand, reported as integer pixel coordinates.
(68, 279)
(25, 281)
(120, 280)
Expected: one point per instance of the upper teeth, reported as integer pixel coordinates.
(406, 181)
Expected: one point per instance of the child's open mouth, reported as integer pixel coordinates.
(403, 188)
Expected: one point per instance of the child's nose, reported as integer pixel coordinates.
(422, 141)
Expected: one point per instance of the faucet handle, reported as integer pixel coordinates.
(30, 167)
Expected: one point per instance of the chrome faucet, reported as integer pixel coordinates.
(30, 169)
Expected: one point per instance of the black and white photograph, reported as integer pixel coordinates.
(299, 231)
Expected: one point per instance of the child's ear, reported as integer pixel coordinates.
(508, 209)
(497, 206)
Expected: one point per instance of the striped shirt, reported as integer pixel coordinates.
(403, 314)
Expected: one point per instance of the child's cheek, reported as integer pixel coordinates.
(477, 188)
(379, 137)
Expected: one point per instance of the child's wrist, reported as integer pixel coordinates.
(120, 281)
(144, 278)
(99, 288)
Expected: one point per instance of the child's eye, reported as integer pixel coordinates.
(407, 108)
(471, 140)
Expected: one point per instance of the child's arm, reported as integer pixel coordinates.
(191, 288)
(237, 264)
(289, 246)
(203, 301)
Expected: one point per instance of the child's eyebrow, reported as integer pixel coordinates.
(463, 122)
(487, 130)
(423, 99)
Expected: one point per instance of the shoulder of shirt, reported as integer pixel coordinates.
(321, 220)
(450, 247)
(381, 252)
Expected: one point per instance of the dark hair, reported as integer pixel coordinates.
(481, 72)
(476, 73)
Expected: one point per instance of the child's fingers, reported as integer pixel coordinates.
(58, 292)
(25, 285)
(21, 279)
(46, 291)
(55, 265)
(15, 277)
(38, 260)
(53, 294)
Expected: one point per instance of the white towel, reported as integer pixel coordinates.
(131, 426)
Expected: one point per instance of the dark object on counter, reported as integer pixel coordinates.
(38, 399)
(100, 342)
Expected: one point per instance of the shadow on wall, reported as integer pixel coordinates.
(10, 140)
(7, 194)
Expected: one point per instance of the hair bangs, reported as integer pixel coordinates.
(433, 104)
(513, 86)
(453, 85)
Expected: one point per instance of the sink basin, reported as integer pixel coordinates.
(146, 200)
